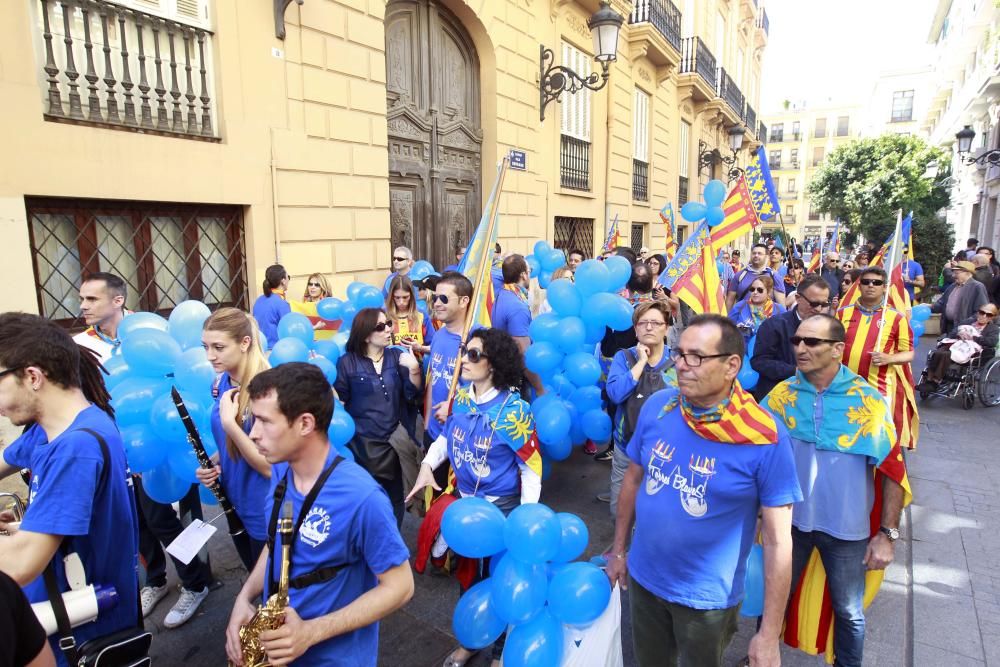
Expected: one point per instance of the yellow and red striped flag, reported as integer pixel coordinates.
(741, 216)
(693, 275)
(667, 216)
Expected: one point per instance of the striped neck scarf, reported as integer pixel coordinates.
(517, 290)
(738, 420)
(761, 312)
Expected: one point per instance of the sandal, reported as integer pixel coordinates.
(452, 661)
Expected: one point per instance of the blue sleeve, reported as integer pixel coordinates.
(768, 354)
(283, 308)
(410, 390)
(779, 284)
(777, 481)
(620, 383)
(343, 385)
(18, 453)
(64, 500)
(374, 533)
(428, 329)
(519, 321)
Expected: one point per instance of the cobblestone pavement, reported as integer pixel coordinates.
(939, 605)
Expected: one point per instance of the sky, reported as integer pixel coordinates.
(818, 49)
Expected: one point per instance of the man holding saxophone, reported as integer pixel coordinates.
(347, 564)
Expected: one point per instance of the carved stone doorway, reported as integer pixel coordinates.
(435, 139)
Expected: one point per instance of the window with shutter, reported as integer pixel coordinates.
(189, 12)
(640, 126)
(685, 149)
(576, 107)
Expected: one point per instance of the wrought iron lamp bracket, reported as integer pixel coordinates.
(992, 158)
(554, 80)
(708, 158)
(279, 16)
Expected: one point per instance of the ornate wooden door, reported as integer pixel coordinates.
(435, 140)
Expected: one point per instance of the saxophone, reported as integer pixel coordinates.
(271, 614)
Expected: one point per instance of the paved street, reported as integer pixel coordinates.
(940, 604)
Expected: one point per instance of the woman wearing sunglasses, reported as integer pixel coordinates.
(375, 381)
(755, 307)
(317, 289)
(985, 331)
(489, 441)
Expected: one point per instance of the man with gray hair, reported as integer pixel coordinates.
(402, 262)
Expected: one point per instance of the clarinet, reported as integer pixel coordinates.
(235, 524)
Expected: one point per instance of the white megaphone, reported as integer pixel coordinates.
(83, 602)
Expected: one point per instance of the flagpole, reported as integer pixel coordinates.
(885, 297)
(789, 248)
(485, 265)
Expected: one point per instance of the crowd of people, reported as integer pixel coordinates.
(700, 468)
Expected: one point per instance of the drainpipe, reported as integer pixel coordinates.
(274, 203)
(607, 167)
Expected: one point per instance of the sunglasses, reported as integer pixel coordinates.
(10, 370)
(474, 355)
(814, 304)
(846, 281)
(439, 297)
(400, 259)
(834, 261)
(810, 341)
(869, 282)
(382, 326)
(756, 290)
(981, 312)
(314, 285)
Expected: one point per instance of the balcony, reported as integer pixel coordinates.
(656, 31)
(730, 94)
(762, 132)
(750, 116)
(698, 69)
(574, 163)
(640, 180)
(763, 27)
(171, 61)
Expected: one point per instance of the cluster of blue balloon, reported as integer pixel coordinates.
(711, 210)
(534, 587)
(747, 376)
(918, 319)
(544, 261)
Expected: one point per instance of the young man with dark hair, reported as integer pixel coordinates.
(450, 304)
(510, 308)
(102, 305)
(970, 248)
(81, 500)
(574, 259)
(349, 567)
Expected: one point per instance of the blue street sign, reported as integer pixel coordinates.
(518, 160)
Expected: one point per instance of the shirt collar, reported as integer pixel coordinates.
(487, 396)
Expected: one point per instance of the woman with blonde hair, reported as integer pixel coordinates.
(410, 328)
(563, 271)
(232, 344)
(317, 289)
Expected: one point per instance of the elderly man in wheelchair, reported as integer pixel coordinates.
(956, 364)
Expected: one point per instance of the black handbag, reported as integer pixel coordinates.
(377, 457)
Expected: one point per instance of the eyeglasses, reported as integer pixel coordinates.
(382, 326)
(439, 297)
(693, 360)
(474, 354)
(400, 259)
(847, 281)
(814, 304)
(315, 285)
(871, 282)
(10, 370)
(810, 341)
(757, 290)
(649, 324)
(981, 312)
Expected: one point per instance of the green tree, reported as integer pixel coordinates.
(866, 181)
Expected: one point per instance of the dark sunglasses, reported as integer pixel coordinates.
(757, 290)
(315, 285)
(810, 341)
(474, 355)
(871, 282)
(382, 326)
(400, 259)
(834, 261)
(10, 370)
(814, 304)
(439, 297)
(981, 312)
(846, 281)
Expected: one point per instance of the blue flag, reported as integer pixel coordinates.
(761, 186)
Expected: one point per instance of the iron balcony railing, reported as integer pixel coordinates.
(113, 66)
(663, 16)
(574, 163)
(697, 59)
(640, 180)
(727, 90)
(750, 117)
(763, 23)
(762, 132)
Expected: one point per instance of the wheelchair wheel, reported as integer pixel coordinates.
(989, 383)
(968, 399)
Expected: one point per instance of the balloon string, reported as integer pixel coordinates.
(489, 444)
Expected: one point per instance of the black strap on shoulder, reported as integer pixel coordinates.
(279, 498)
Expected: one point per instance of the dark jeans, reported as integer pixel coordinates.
(667, 634)
(843, 561)
(248, 549)
(159, 525)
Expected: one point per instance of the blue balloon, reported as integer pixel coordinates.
(544, 328)
(141, 320)
(542, 358)
(327, 347)
(714, 215)
(330, 309)
(340, 338)
(751, 346)
(194, 373)
(183, 461)
(618, 316)
(921, 312)
(564, 388)
(143, 450)
(354, 289)
(532, 533)
(582, 369)
(747, 376)
(518, 588)
(572, 334)
(918, 328)
(592, 277)
(287, 350)
(576, 434)
(552, 260)
(693, 211)
(164, 418)
(715, 193)
(151, 352)
(342, 427)
(533, 265)
(578, 594)
(564, 297)
(552, 423)
(328, 367)
(206, 496)
(369, 297)
(620, 271)
(475, 621)
(536, 643)
(586, 398)
(558, 450)
(295, 325)
(347, 316)
(597, 425)
(420, 269)
(117, 370)
(595, 332)
(573, 539)
(186, 322)
(133, 398)
(163, 486)
(546, 399)
(541, 249)
(753, 586)
(473, 527)
(544, 278)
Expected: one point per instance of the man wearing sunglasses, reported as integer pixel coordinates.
(450, 303)
(832, 273)
(835, 457)
(773, 357)
(402, 262)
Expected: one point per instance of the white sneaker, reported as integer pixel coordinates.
(149, 596)
(185, 607)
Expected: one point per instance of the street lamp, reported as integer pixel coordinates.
(710, 157)
(964, 138)
(555, 79)
(735, 138)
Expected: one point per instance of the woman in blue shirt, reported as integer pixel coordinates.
(271, 306)
(375, 381)
(232, 344)
(756, 307)
(488, 439)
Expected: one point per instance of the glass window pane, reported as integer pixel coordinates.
(213, 247)
(169, 267)
(58, 259)
(116, 252)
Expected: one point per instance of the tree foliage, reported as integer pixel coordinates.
(866, 181)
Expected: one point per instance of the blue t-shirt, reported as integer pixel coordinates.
(268, 311)
(911, 270)
(511, 314)
(350, 522)
(484, 459)
(100, 523)
(742, 280)
(696, 508)
(442, 359)
(245, 487)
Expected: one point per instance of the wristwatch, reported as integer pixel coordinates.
(891, 533)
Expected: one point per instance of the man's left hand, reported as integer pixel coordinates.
(288, 642)
(764, 651)
(880, 552)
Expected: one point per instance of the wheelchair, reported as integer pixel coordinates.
(980, 377)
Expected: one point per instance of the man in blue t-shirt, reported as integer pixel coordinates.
(913, 273)
(740, 283)
(80, 494)
(348, 567)
(510, 308)
(705, 459)
(450, 303)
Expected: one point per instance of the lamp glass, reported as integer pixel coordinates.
(965, 137)
(735, 138)
(606, 43)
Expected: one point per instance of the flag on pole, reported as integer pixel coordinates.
(816, 263)
(693, 275)
(741, 217)
(611, 242)
(670, 230)
(477, 262)
(761, 185)
(835, 241)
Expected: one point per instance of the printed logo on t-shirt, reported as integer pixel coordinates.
(661, 455)
(692, 488)
(474, 455)
(34, 489)
(316, 527)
